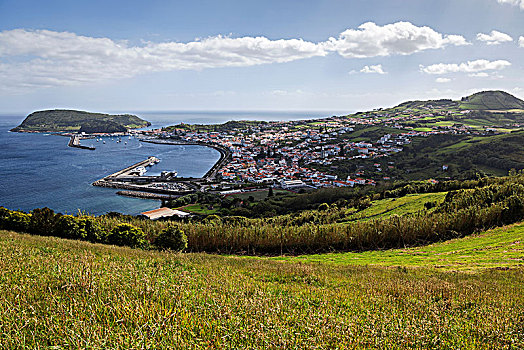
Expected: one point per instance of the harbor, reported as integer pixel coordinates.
(135, 182)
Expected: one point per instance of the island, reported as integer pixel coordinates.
(61, 120)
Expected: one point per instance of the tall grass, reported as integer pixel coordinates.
(69, 294)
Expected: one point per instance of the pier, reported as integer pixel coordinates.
(126, 171)
(74, 141)
(134, 184)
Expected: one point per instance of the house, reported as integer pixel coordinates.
(164, 213)
(290, 184)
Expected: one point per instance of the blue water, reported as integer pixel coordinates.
(38, 170)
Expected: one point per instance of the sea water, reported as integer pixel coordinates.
(39, 170)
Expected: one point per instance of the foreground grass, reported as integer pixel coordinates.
(500, 248)
(70, 294)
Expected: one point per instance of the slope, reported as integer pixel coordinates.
(70, 294)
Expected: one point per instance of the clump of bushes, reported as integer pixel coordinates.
(45, 222)
(172, 238)
(14, 220)
(463, 211)
(127, 235)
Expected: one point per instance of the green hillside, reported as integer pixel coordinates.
(484, 100)
(494, 155)
(69, 294)
(500, 248)
(491, 100)
(69, 120)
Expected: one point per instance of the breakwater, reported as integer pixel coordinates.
(124, 171)
(141, 188)
(162, 187)
(147, 195)
(74, 141)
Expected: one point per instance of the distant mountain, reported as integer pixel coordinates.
(60, 120)
(491, 100)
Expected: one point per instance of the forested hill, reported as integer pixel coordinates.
(59, 120)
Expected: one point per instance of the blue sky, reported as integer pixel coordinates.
(255, 55)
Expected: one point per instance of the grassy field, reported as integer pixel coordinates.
(500, 248)
(409, 204)
(71, 294)
(199, 209)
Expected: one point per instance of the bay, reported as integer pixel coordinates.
(39, 170)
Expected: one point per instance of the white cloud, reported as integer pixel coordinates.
(44, 58)
(377, 69)
(47, 58)
(494, 38)
(479, 75)
(442, 80)
(521, 41)
(513, 2)
(468, 67)
(401, 38)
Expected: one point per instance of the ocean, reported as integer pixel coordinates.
(39, 170)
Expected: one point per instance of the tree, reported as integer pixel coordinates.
(43, 221)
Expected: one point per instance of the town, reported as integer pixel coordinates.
(288, 153)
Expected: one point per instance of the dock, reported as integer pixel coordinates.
(74, 141)
(126, 171)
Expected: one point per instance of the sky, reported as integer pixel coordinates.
(325, 55)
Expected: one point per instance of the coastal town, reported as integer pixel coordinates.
(288, 153)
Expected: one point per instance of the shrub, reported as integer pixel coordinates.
(67, 226)
(14, 220)
(127, 234)
(212, 218)
(91, 229)
(173, 238)
(430, 205)
(43, 221)
(4, 217)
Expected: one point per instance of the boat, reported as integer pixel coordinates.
(104, 141)
(139, 170)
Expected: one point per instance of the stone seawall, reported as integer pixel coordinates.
(147, 195)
